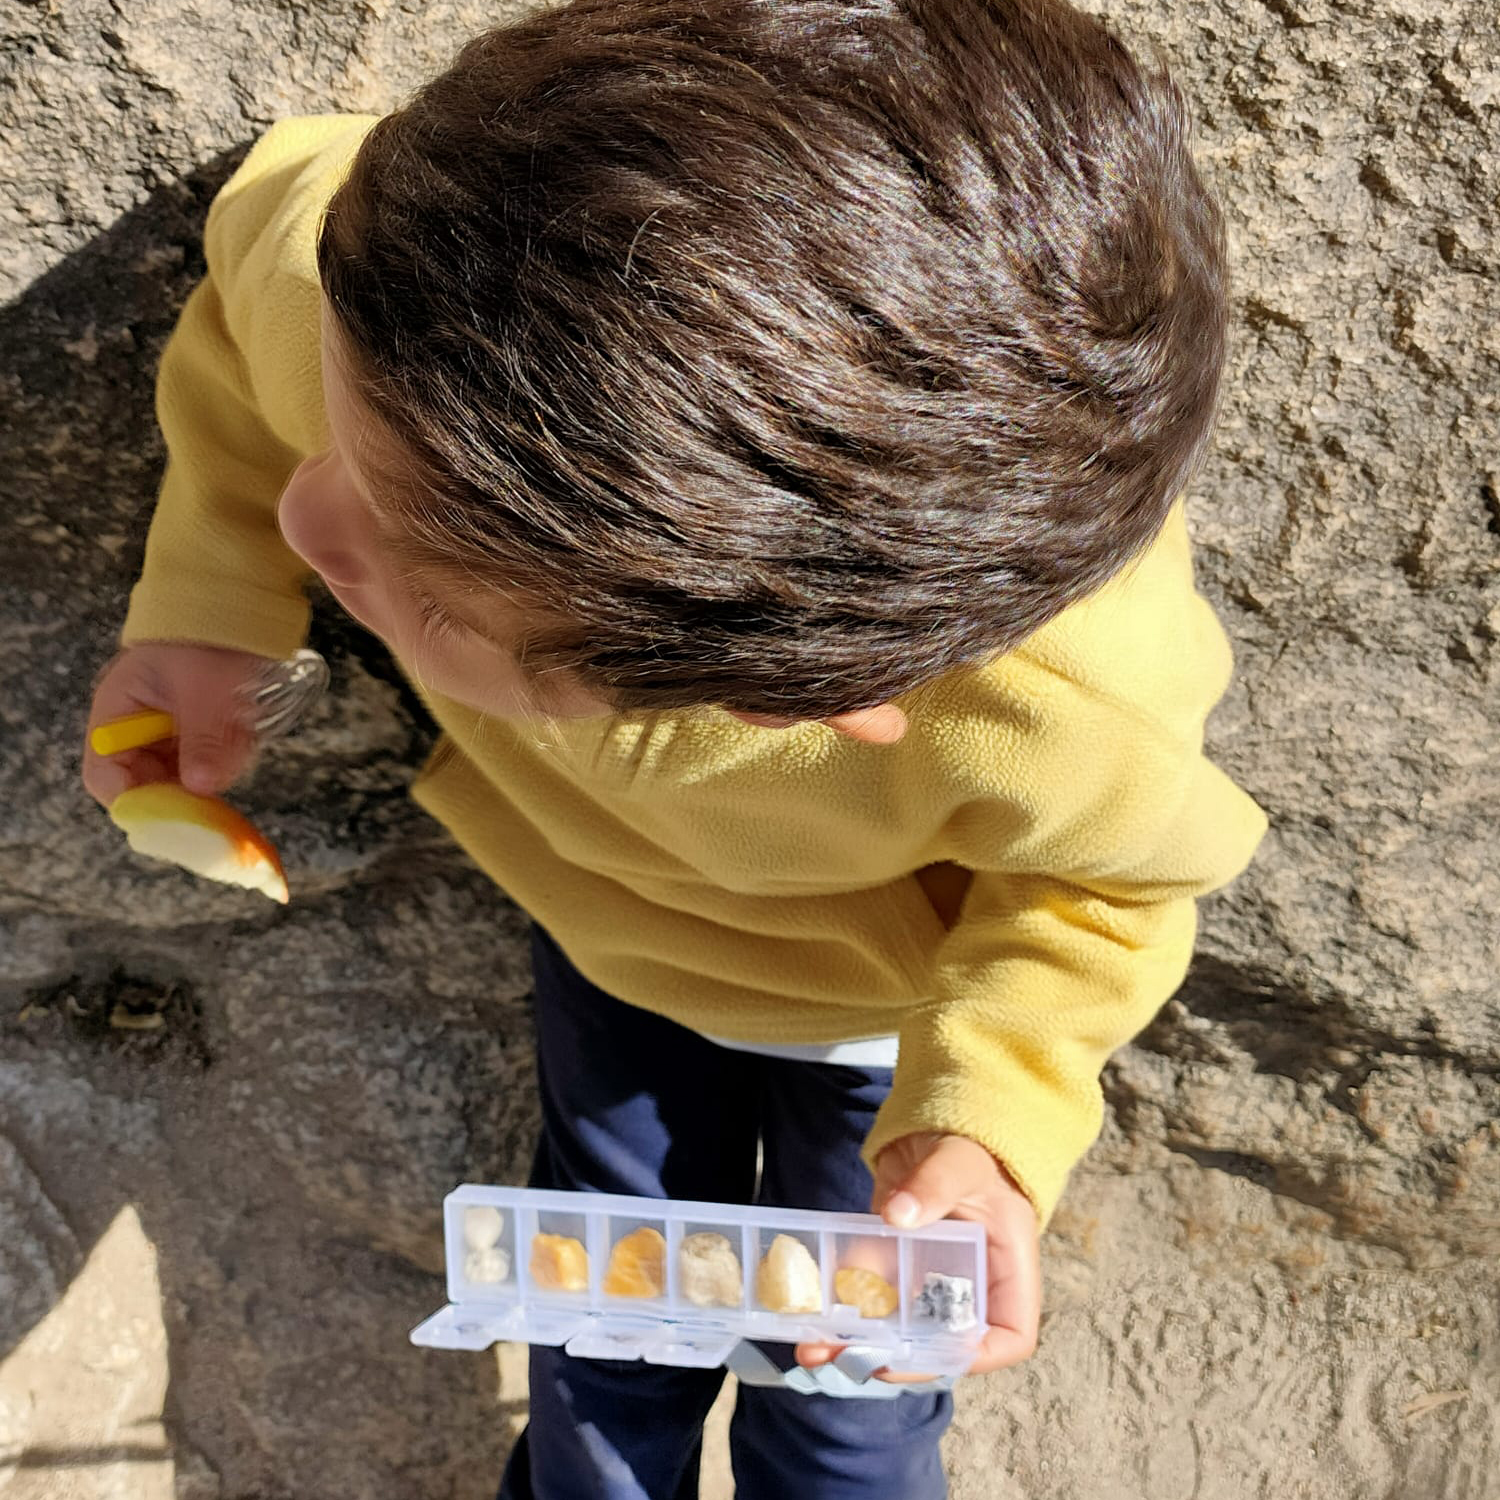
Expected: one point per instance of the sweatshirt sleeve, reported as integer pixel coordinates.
(239, 403)
(1102, 826)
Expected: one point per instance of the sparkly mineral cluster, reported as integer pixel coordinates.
(637, 1265)
(710, 1270)
(948, 1300)
(871, 1295)
(787, 1280)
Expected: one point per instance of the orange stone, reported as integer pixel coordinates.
(559, 1264)
(872, 1295)
(637, 1265)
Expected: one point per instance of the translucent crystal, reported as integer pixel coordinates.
(787, 1280)
(710, 1270)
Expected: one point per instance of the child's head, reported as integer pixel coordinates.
(778, 354)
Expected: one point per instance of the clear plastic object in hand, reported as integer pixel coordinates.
(282, 692)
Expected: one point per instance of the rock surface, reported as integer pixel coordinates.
(1276, 1273)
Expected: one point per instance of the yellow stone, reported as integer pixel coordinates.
(559, 1264)
(872, 1295)
(637, 1265)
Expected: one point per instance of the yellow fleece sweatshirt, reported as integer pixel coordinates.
(758, 885)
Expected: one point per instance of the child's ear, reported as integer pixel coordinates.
(882, 725)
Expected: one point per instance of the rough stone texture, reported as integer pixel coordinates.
(1275, 1276)
(81, 1396)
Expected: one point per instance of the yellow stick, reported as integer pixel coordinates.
(131, 731)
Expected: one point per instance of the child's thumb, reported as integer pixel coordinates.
(932, 1187)
(212, 752)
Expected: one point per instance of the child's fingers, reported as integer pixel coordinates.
(213, 751)
(1014, 1304)
(106, 776)
(1003, 1347)
(810, 1356)
(103, 777)
(119, 691)
(951, 1172)
(200, 687)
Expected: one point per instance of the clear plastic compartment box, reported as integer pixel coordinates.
(922, 1290)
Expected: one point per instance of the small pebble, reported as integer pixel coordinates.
(787, 1280)
(483, 1227)
(711, 1272)
(491, 1264)
(948, 1300)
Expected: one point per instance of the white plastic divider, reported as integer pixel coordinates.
(455, 1252)
(596, 1242)
(524, 1222)
(832, 1302)
(749, 1265)
(675, 1299)
(903, 1270)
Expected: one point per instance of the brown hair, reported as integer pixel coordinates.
(785, 353)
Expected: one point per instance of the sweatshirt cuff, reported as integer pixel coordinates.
(211, 612)
(1038, 1128)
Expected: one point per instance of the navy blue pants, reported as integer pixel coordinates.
(634, 1103)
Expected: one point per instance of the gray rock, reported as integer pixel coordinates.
(1275, 1274)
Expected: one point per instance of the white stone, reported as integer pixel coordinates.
(711, 1273)
(491, 1264)
(483, 1227)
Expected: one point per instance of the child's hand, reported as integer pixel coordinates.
(200, 687)
(922, 1178)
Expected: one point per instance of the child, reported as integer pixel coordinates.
(758, 429)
